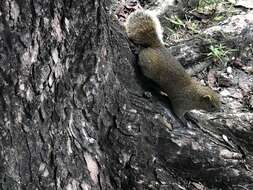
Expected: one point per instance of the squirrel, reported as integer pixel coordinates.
(158, 64)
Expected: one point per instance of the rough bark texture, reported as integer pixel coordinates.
(73, 114)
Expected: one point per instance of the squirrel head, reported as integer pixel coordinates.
(208, 100)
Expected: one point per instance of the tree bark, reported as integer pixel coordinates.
(74, 115)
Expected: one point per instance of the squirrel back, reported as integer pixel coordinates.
(144, 28)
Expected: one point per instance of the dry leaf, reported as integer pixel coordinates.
(245, 3)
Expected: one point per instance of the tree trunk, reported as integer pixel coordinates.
(73, 114)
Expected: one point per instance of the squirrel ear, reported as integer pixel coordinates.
(207, 98)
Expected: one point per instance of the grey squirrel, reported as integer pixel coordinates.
(158, 64)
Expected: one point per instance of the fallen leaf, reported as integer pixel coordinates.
(245, 3)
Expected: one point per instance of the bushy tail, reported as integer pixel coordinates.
(144, 28)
